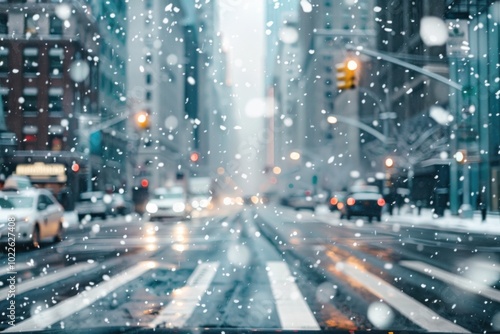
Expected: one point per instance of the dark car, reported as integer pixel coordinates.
(363, 202)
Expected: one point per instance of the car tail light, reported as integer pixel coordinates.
(381, 202)
(334, 201)
(340, 205)
(351, 201)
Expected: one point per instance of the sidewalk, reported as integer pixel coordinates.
(449, 222)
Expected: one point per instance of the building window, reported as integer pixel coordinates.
(31, 25)
(30, 61)
(149, 96)
(55, 100)
(29, 102)
(4, 95)
(4, 19)
(4, 61)
(56, 25)
(149, 78)
(56, 57)
(149, 59)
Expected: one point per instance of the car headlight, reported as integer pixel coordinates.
(178, 207)
(151, 208)
(195, 204)
(204, 203)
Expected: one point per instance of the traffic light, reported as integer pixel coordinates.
(144, 183)
(75, 167)
(194, 157)
(346, 74)
(142, 120)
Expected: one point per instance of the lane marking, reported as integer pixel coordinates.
(293, 311)
(407, 306)
(42, 281)
(19, 267)
(186, 299)
(82, 300)
(458, 281)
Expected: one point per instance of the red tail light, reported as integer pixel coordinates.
(351, 201)
(334, 201)
(340, 206)
(381, 202)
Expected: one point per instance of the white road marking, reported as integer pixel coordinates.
(82, 300)
(41, 281)
(185, 299)
(19, 267)
(459, 281)
(407, 306)
(293, 311)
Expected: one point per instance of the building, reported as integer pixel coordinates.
(51, 79)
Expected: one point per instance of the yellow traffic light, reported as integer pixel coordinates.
(346, 74)
(142, 119)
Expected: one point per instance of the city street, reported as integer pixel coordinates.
(261, 267)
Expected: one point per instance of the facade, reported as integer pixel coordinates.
(41, 102)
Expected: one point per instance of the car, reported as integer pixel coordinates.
(93, 204)
(167, 202)
(32, 215)
(363, 202)
(303, 200)
(17, 182)
(337, 201)
(119, 205)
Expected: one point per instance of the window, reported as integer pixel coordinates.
(4, 61)
(56, 25)
(149, 59)
(4, 19)
(149, 79)
(31, 25)
(30, 61)
(55, 100)
(149, 95)
(56, 57)
(4, 94)
(29, 102)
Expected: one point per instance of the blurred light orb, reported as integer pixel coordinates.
(306, 6)
(355, 174)
(172, 59)
(443, 155)
(288, 122)
(79, 70)
(288, 35)
(433, 31)
(380, 315)
(440, 115)
(171, 122)
(295, 155)
(63, 11)
(482, 271)
(256, 107)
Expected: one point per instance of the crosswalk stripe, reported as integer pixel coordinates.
(185, 299)
(85, 298)
(293, 311)
(407, 306)
(42, 281)
(461, 282)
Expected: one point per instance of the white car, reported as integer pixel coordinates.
(167, 202)
(28, 216)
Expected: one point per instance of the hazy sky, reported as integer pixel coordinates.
(242, 24)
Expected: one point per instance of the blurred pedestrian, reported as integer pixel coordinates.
(481, 205)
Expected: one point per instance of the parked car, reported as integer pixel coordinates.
(167, 202)
(94, 204)
(32, 215)
(17, 182)
(363, 202)
(299, 201)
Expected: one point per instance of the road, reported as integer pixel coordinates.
(264, 267)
